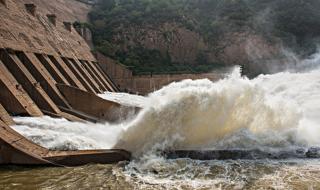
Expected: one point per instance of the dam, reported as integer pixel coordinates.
(64, 105)
(47, 68)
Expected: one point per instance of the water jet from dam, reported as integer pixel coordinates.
(269, 112)
(59, 107)
(233, 113)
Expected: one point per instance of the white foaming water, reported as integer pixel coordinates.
(62, 134)
(206, 115)
(126, 99)
(271, 112)
(303, 90)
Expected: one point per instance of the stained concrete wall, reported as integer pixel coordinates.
(40, 52)
(20, 30)
(71, 10)
(144, 84)
(39, 48)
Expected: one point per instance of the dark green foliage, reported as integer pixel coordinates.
(295, 22)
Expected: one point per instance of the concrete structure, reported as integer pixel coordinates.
(47, 68)
(144, 84)
(96, 108)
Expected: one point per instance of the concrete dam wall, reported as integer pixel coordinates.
(47, 68)
(148, 83)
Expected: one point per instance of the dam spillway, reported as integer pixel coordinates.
(58, 108)
(47, 68)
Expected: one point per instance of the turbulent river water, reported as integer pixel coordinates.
(271, 113)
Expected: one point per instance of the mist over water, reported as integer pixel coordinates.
(231, 113)
(277, 111)
(272, 113)
(61, 134)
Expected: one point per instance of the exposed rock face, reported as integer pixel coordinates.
(241, 48)
(252, 51)
(180, 43)
(189, 47)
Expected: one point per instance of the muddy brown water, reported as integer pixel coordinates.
(169, 174)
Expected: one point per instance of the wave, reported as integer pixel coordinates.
(277, 111)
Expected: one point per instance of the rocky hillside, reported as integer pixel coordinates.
(163, 36)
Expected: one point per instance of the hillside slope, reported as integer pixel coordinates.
(200, 35)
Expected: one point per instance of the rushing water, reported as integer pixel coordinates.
(271, 113)
(172, 174)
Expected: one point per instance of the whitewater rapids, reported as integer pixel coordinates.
(270, 112)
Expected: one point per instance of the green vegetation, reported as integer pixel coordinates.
(145, 61)
(295, 22)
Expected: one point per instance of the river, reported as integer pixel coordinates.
(271, 113)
